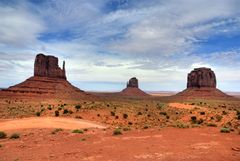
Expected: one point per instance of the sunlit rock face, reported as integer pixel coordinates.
(47, 66)
(201, 77)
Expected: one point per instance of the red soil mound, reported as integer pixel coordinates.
(44, 86)
(131, 91)
(202, 93)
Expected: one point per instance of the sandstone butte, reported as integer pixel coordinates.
(49, 80)
(132, 89)
(201, 83)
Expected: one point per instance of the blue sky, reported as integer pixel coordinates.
(106, 42)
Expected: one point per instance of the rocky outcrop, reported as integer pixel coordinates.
(132, 89)
(201, 83)
(201, 77)
(47, 66)
(49, 81)
(133, 82)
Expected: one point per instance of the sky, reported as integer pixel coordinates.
(106, 42)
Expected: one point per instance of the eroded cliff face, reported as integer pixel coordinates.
(201, 83)
(132, 89)
(133, 82)
(47, 66)
(49, 81)
(201, 77)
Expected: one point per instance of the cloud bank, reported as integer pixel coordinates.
(107, 42)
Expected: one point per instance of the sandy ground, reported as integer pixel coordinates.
(47, 122)
(168, 144)
(184, 106)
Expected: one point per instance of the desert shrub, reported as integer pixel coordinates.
(145, 127)
(49, 107)
(108, 105)
(238, 117)
(57, 130)
(211, 125)
(167, 117)
(163, 113)
(98, 115)
(130, 123)
(56, 113)
(224, 112)
(77, 131)
(15, 136)
(139, 113)
(38, 113)
(117, 132)
(116, 117)
(78, 117)
(3, 135)
(85, 129)
(181, 125)
(65, 111)
(112, 113)
(126, 129)
(218, 118)
(199, 121)
(148, 115)
(125, 116)
(202, 113)
(78, 107)
(1, 145)
(225, 130)
(194, 119)
(59, 108)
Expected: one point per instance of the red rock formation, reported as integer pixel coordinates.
(47, 66)
(201, 77)
(201, 83)
(132, 89)
(49, 81)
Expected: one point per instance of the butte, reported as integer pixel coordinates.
(201, 83)
(132, 89)
(49, 81)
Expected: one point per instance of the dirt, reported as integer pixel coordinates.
(47, 122)
(166, 144)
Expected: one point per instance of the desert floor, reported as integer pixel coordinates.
(154, 128)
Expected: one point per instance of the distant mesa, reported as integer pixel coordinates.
(201, 83)
(201, 77)
(132, 89)
(48, 80)
(133, 82)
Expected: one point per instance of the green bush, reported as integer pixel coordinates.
(211, 125)
(15, 136)
(65, 111)
(38, 113)
(225, 130)
(56, 113)
(3, 135)
(163, 113)
(77, 131)
(117, 132)
(125, 116)
(112, 113)
(218, 118)
(194, 119)
(78, 107)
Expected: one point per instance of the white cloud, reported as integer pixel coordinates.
(19, 27)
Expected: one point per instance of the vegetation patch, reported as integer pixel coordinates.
(117, 132)
(77, 131)
(225, 130)
(3, 135)
(15, 136)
